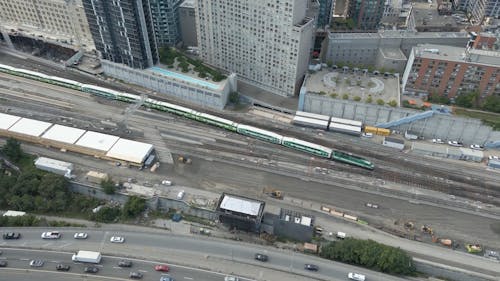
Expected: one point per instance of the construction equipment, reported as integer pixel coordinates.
(184, 160)
(274, 193)
(409, 225)
(427, 229)
(444, 241)
(473, 248)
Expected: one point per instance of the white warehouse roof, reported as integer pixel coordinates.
(30, 127)
(240, 205)
(130, 151)
(7, 120)
(97, 141)
(63, 134)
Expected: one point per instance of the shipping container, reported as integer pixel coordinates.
(312, 115)
(343, 128)
(346, 121)
(309, 122)
(54, 166)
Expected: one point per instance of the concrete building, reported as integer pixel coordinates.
(485, 41)
(240, 212)
(123, 31)
(385, 49)
(325, 13)
(62, 20)
(479, 10)
(451, 71)
(366, 13)
(398, 16)
(267, 43)
(187, 22)
(165, 21)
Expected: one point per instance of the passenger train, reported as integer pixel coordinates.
(264, 135)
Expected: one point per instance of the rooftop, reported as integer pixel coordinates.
(30, 127)
(63, 134)
(97, 141)
(7, 120)
(187, 4)
(458, 54)
(398, 34)
(241, 205)
(186, 78)
(130, 151)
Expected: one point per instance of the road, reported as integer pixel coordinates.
(172, 249)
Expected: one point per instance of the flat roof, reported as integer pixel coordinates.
(63, 134)
(185, 78)
(457, 54)
(30, 127)
(472, 152)
(240, 205)
(97, 141)
(7, 120)
(432, 148)
(130, 151)
(305, 120)
(187, 4)
(312, 115)
(394, 140)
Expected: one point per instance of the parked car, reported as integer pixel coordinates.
(311, 267)
(455, 143)
(124, 263)
(3, 263)
(162, 267)
(91, 269)
(63, 267)
(438, 141)
(117, 239)
(135, 275)
(356, 276)
(51, 235)
(11, 235)
(81, 235)
(261, 257)
(493, 157)
(36, 263)
(476, 147)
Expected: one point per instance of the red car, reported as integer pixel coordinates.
(162, 267)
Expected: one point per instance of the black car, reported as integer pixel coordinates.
(11, 235)
(261, 257)
(135, 275)
(91, 269)
(3, 263)
(63, 267)
(311, 267)
(124, 263)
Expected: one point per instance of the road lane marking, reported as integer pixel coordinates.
(142, 270)
(188, 278)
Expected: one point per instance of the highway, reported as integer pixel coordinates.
(147, 249)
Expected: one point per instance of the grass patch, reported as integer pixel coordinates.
(488, 118)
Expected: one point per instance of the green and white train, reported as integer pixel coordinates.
(264, 135)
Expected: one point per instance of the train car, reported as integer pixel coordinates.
(65, 83)
(100, 91)
(312, 115)
(346, 129)
(307, 147)
(32, 75)
(259, 134)
(346, 121)
(352, 160)
(309, 122)
(8, 69)
(172, 108)
(126, 97)
(216, 121)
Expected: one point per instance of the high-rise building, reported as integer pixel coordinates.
(166, 21)
(62, 20)
(479, 9)
(325, 12)
(266, 42)
(123, 31)
(187, 19)
(366, 13)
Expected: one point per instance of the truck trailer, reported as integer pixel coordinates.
(87, 257)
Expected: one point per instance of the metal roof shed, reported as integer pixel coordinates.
(7, 120)
(63, 134)
(97, 141)
(130, 151)
(30, 127)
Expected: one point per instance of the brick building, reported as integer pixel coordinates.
(451, 71)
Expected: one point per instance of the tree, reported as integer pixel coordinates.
(333, 95)
(134, 206)
(393, 103)
(108, 186)
(329, 63)
(467, 100)
(106, 214)
(380, 102)
(234, 97)
(492, 103)
(357, 98)
(322, 93)
(12, 149)
(369, 99)
(345, 96)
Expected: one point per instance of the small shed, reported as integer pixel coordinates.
(96, 177)
(394, 143)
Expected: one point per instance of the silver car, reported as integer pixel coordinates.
(36, 263)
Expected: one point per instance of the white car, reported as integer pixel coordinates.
(51, 235)
(455, 143)
(439, 141)
(493, 157)
(356, 276)
(117, 239)
(231, 278)
(81, 235)
(476, 147)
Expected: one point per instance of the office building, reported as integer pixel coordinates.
(267, 43)
(451, 71)
(61, 20)
(165, 21)
(187, 20)
(325, 13)
(366, 13)
(479, 10)
(123, 31)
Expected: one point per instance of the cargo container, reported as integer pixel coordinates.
(312, 115)
(344, 128)
(54, 166)
(309, 122)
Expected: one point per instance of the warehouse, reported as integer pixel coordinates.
(394, 143)
(29, 127)
(130, 151)
(97, 141)
(240, 212)
(64, 134)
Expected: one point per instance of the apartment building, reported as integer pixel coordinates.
(267, 43)
(166, 21)
(366, 13)
(123, 31)
(62, 20)
(325, 13)
(187, 20)
(451, 71)
(479, 9)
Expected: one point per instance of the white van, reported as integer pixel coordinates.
(356, 276)
(341, 235)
